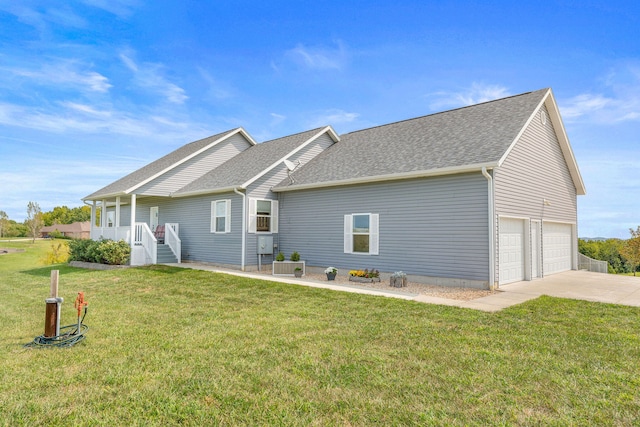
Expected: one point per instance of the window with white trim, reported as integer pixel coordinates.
(361, 233)
(221, 216)
(263, 216)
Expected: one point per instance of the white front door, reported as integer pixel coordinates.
(511, 250)
(153, 215)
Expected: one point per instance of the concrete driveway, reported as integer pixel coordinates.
(581, 285)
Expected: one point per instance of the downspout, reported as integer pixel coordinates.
(244, 225)
(492, 236)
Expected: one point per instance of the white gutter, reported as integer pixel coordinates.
(389, 177)
(492, 236)
(244, 225)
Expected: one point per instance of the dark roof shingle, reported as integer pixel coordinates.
(474, 135)
(247, 164)
(155, 167)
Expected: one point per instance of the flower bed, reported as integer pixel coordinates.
(363, 279)
(364, 276)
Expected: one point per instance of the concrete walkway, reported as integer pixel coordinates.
(581, 285)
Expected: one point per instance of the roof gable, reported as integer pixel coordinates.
(248, 166)
(153, 170)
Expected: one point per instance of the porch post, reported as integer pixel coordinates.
(117, 213)
(103, 215)
(133, 220)
(93, 219)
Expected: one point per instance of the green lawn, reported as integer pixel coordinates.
(179, 347)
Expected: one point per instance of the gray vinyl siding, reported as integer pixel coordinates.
(194, 216)
(431, 227)
(194, 168)
(261, 189)
(533, 171)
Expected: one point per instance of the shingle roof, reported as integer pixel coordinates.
(247, 164)
(76, 227)
(146, 172)
(476, 135)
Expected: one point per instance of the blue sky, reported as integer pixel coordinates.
(91, 90)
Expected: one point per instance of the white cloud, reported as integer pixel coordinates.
(148, 76)
(217, 89)
(318, 58)
(333, 117)
(584, 104)
(277, 119)
(67, 73)
(120, 8)
(617, 101)
(477, 93)
(80, 118)
(41, 16)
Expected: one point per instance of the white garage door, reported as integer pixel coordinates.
(511, 250)
(557, 245)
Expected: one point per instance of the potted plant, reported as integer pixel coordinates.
(288, 267)
(398, 279)
(331, 273)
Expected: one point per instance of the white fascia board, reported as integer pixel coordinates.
(565, 145)
(191, 156)
(202, 192)
(390, 177)
(327, 129)
(104, 196)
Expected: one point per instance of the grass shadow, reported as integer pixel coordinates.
(63, 268)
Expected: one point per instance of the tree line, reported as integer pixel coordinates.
(623, 256)
(36, 219)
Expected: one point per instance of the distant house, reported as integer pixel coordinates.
(477, 196)
(77, 230)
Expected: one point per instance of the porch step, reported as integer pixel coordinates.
(165, 255)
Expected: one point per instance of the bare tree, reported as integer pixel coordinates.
(631, 249)
(34, 220)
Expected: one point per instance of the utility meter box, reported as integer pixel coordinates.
(265, 245)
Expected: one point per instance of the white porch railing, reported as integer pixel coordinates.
(171, 238)
(113, 233)
(145, 246)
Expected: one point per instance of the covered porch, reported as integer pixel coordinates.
(107, 222)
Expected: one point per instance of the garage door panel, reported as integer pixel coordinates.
(557, 243)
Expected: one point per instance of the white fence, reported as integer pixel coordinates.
(586, 263)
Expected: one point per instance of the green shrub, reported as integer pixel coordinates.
(295, 256)
(100, 251)
(280, 256)
(114, 253)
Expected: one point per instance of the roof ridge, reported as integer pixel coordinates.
(293, 134)
(444, 112)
